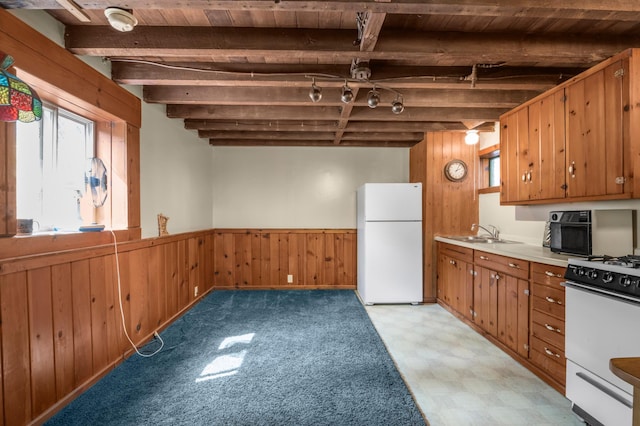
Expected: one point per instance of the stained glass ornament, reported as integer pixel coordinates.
(18, 101)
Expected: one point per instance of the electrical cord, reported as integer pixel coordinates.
(124, 325)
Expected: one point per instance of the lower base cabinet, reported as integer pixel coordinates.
(518, 305)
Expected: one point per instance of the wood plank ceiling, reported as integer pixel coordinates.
(240, 72)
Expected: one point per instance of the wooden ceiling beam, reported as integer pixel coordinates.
(290, 96)
(257, 75)
(379, 114)
(258, 126)
(366, 144)
(567, 9)
(336, 46)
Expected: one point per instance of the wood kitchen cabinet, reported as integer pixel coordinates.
(547, 321)
(575, 141)
(455, 278)
(501, 299)
(516, 304)
(596, 131)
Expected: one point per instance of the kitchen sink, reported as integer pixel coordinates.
(481, 239)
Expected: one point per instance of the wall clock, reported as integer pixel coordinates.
(455, 170)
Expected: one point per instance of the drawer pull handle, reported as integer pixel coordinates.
(514, 265)
(552, 300)
(552, 328)
(551, 274)
(484, 258)
(453, 262)
(551, 353)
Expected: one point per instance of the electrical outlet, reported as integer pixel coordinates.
(195, 291)
(289, 278)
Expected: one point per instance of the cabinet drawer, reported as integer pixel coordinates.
(547, 274)
(548, 358)
(458, 252)
(515, 267)
(548, 299)
(547, 328)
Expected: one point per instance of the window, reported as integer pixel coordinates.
(52, 157)
(494, 171)
(490, 169)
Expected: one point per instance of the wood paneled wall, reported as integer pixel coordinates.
(264, 258)
(60, 321)
(450, 208)
(61, 327)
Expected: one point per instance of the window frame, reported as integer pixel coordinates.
(485, 155)
(62, 79)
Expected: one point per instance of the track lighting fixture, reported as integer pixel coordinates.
(472, 137)
(315, 93)
(347, 93)
(397, 106)
(373, 98)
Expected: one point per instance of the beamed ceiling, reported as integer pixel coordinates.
(240, 72)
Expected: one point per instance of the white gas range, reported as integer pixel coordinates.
(602, 318)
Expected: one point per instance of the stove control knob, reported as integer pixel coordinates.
(580, 271)
(592, 274)
(625, 281)
(607, 277)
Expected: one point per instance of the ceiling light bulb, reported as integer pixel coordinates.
(120, 19)
(347, 94)
(472, 137)
(397, 106)
(315, 93)
(373, 98)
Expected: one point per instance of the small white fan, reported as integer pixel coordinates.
(96, 181)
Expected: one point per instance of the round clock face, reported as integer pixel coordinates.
(455, 170)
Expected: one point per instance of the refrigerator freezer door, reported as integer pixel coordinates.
(390, 266)
(392, 201)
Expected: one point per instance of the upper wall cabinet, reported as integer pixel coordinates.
(575, 142)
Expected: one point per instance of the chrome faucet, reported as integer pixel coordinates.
(494, 232)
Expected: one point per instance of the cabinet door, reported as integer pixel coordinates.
(485, 300)
(509, 178)
(595, 132)
(444, 279)
(516, 159)
(513, 313)
(546, 178)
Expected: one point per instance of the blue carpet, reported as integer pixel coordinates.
(256, 358)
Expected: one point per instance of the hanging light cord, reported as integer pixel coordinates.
(124, 325)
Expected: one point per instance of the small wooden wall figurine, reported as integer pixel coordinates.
(162, 225)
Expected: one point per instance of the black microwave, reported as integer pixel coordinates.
(591, 232)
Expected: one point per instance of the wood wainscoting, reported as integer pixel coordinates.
(285, 258)
(61, 325)
(60, 320)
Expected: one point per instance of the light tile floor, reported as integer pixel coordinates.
(458, 377)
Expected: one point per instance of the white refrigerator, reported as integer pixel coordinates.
(390, 243)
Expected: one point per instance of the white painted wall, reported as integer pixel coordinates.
(297, 187)
(175, 165)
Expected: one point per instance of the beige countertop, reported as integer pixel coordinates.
(524, 251)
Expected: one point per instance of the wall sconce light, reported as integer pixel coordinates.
(472, 137)
(347, 93)
(315, 93)
(18, 101)
(397, 106)
(373, 98)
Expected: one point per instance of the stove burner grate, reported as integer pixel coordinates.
(628, 261)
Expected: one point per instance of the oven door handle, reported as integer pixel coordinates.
(605, 390)
(602, 292)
